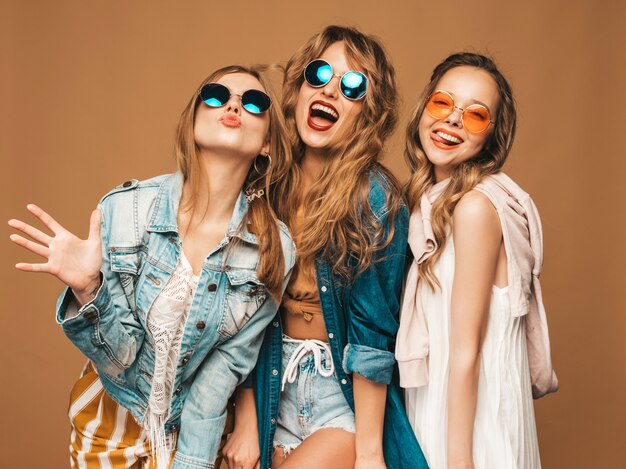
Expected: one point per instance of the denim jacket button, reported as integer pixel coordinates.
(331, 336)
(274, 372)
(324, 289)
(212, 287)
(344, 381)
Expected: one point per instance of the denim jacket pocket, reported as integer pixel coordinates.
(244, 295)
(126, 262)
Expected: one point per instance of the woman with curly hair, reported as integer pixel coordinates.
(473, 346)
(326, 381)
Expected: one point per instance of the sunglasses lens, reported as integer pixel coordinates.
(440, 105)
(476, 118)
(354, 85)
(318, 73)
(255, 101)
(215, 94)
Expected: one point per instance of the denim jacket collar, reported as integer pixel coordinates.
(165, 215)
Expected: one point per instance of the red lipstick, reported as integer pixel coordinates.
(322, 119)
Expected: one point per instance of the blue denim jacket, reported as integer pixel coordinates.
(224, 330)
(361, 320)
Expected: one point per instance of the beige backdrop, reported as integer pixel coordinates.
(90, 93)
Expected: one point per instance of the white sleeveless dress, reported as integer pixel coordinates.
(505, 436)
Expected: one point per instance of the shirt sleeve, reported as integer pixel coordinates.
(374, 306)
(105, 329)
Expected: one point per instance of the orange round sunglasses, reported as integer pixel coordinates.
(476, 118)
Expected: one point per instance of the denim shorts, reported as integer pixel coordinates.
(312, 401)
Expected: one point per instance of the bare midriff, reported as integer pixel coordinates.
(301, 309)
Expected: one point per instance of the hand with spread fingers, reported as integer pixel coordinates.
(75, 262)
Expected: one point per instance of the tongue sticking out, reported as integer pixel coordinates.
(445, 139)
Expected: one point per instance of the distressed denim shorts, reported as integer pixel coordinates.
(311, 398)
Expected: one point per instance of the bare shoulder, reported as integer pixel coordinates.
(476, 213)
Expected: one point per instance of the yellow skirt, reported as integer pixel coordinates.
(105, 435)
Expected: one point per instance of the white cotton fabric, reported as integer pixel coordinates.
(504, 427)
(166, 323)
(523, 243)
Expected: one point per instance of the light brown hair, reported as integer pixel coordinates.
(260, 216)
(466, 175)
(338, 222)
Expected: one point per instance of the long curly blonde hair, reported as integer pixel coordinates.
(338, 222)
(260, 216)
(466, 175)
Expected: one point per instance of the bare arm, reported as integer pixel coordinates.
(369, 406)
(242, 448)
(372, 329)
(477, 238)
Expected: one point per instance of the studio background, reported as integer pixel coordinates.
(90, 94)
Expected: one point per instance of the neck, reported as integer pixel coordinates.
(222, 180)
(441, 173)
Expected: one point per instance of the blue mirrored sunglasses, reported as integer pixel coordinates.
(217, 95)
(353, 85)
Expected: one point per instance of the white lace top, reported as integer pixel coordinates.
(166, 323)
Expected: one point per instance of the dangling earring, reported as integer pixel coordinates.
(252, 194)
(269, 163)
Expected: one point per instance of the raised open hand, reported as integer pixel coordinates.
(74, 261)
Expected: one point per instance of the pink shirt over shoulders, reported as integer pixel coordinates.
(523, 243)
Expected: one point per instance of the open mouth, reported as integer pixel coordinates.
(445, 139)
(322, 116)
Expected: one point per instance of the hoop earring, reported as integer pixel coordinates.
(268, 164)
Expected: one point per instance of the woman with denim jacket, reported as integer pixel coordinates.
(473, 347)
(326, 383)
(170, 294)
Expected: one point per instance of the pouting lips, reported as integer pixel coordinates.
(324, 112)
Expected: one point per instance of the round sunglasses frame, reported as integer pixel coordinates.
(333, 74)
(454, 106)
(215, 83)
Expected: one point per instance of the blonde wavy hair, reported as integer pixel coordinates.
(466, 175)
(338, 222)
(260, 217)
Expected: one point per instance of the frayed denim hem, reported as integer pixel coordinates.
(287, 449)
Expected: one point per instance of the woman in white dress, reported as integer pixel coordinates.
(473, 347)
